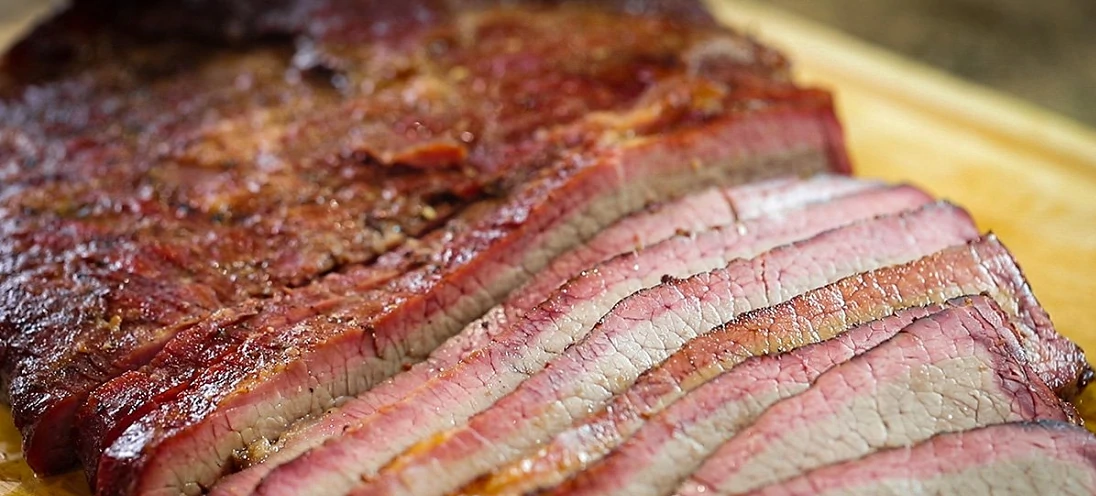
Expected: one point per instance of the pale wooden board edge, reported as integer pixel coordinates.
(18, 17)
(813, 46)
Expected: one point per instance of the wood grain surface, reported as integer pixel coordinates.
(1024, 173)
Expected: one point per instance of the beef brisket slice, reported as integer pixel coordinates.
(955, 370)
(560, 321)
(692, 214)
(646, 328)
(695, 212)
(194, 177)
(981, 267)
(671, 445)
(1020, 458)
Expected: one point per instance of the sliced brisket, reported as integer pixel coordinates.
(672, 444)
(646, 328)
(159, 181)
(1021, 458)
(560, 321)
(692, 214)
(982, 267)
(156, 181)
(369, 247)
(955, 370)
(695, 212)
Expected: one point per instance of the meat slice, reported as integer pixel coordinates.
(649, 326)
(696, 212)
(1013, 458)
(554, 325)
(952, 371)
(984, 266)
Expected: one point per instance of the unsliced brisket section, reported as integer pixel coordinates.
(696, 212)
(109, 249)
(1051, 458)
(649, 326)
(981, 267)
(156, 181)
(553, 326)
(955, 370)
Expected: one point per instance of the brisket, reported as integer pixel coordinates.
(649, 326)
(293, 247)
(981, 267)
(955, 370)
(156, 182)
(671, 445)
(693, 214)
(1013, 458)
(696, 212)
(105, 256)
(553, 326)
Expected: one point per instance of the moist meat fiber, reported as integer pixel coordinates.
(427, 247)
(1013, 458)
(955, 370)
(671, 445)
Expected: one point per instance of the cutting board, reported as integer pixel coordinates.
(1025, 174)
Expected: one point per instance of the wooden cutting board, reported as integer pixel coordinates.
(1026, 174)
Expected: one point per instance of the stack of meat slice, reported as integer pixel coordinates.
(781, 328)
(478, 248)
(877, 331)
(677, 414)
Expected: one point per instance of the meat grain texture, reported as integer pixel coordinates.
(955, 370)
(1012, 458)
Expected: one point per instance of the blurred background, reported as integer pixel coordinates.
(1042, 51)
